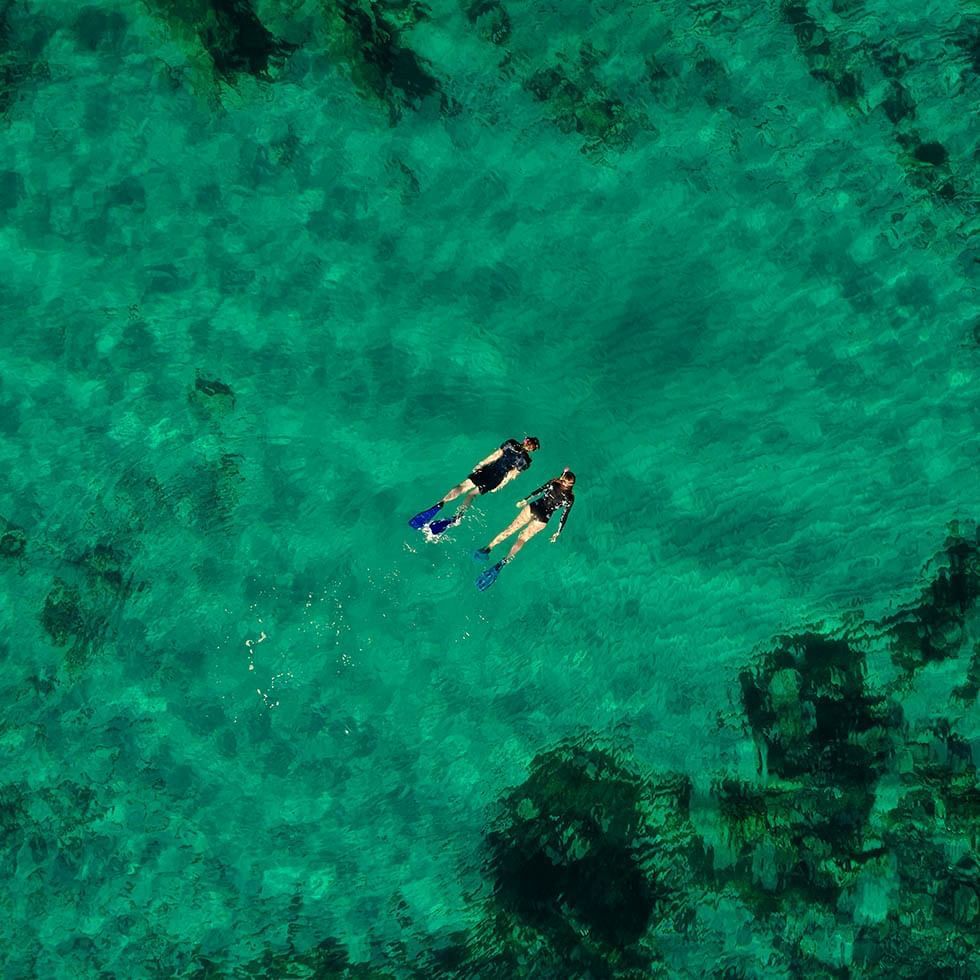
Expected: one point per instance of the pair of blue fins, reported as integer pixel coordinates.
(425, 518)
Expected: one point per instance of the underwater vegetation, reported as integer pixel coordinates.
(22, 38)
(932, 629)
(565, 856)
(85, 599)
(490, 18)
(823, 740)
(368, 38)
(328, 960)
(211, 398)
(857, 69)
(229, 31)
(13, 540)
(577, 102)
(854, 820)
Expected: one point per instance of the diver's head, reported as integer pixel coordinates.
(531, 443)
(567, 477)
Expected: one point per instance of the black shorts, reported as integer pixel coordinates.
(487, 478)
(540, 512)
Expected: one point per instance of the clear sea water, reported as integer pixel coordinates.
(246, 707)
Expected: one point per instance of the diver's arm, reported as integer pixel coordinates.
(561, 523)
(510, 476)
(524, 500)
(496, 454)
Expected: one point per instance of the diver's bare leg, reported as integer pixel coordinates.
(522, 518)
(467, 500)
(463, 487)
(522, 539)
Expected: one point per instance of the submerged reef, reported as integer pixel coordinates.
(328, 960)
(214, 493)
(584, 857)
(230, 33)
(22, 38)
(211, 398)
(83, 603)
(62, 617)
(853, 849)
(577, 102)
(13, 540)
(865, 75)
(566, 855)
(369, 39)
(855, 826)
(931, 629)
(823, 740)
(490, 18)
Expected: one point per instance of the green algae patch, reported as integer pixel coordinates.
(22, 37)
(866, 75)
(13, 540)
(585, 857)
(229, 33)
(326, 960)
(62, 616)
(577, 102)
(490, 18)
(369, 40)
(211, 398)
(932, 629)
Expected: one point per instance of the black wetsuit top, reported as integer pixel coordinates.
(513, 456)
(554, 496)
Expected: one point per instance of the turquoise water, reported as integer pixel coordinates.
(262, 302)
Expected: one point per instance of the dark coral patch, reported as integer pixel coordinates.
(105, 568)
(327, 960)
(581, 105)
(823, 61)
(968, 690)
(23, 36)
(932, 152)
(967, 37)
(236, 41)
(491, 19)
(211, 397)
(369, 37)
(71, 620)
(565, 852)
(931, 630)
(13, 540)
(898, 104)
(826, 741)
(95, 28)
(807, 704)
(62, 616)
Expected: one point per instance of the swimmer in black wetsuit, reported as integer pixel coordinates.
(488, 476)
(534, 516)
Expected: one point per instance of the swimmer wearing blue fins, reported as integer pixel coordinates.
(555, 495)
(488, 476)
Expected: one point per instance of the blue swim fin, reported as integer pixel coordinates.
(489, 577)
(437, 527)
(481, 554)
(420, 520)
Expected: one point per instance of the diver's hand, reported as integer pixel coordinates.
(554, 537)
(520, 504)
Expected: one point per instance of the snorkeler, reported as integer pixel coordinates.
(488, 476)
(556, 493)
